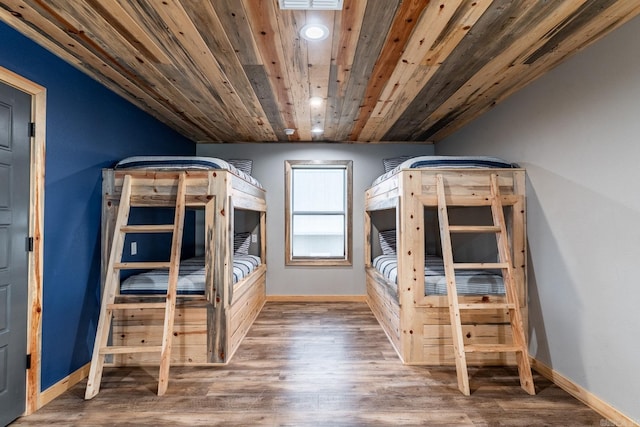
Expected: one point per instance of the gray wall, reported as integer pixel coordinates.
(576, 132)
(268, 168)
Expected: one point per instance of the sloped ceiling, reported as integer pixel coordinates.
(390, 70)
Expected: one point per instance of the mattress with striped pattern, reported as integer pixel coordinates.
(183, 163)
(444, 162)
(191, 278)
(468, 282)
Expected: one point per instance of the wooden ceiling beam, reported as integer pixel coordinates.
(319, 69)
(501, 23)
(347, 25)
(441, 28)
(264, 27)
(289, 23)
(376, 22)
(95, 32)
(209, 28)
(522, 73)
(235, 22)
(135, 35)
(393, 70)
(493, 78)
(30, 19)
(204, 68)
(172, 79)
(403, 25)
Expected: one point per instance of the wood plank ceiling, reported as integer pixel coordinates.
(391, 70)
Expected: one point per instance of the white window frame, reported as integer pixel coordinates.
(344, 260)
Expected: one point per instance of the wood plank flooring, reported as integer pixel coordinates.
(315, 364)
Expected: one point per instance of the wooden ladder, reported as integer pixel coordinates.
(519, 342)
(112, 283)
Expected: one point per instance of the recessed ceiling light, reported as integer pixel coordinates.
(315, 101)
(317, 130)
(314, 32)
(289, 131)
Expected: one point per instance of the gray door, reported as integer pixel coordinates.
(15, 114)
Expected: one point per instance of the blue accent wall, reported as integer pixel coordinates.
(88, 128)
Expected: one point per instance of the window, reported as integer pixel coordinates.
(318, 212)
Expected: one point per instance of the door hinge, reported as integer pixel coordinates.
(32, 129)
(28, 361)
(29, 244)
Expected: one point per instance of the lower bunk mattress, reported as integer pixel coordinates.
(191, 280)
(468, 282)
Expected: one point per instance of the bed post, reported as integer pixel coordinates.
(228, 254)
(518, 238)
(108, 220)
(210, 291)
(410, 225)
(263, 237)
(367, 238)
(222, 266)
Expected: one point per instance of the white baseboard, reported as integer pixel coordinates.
(611, 414)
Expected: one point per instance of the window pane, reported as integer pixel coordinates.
(318, 190)
(318, 212)
(318, 236)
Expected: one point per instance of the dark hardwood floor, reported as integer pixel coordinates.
(315, 364)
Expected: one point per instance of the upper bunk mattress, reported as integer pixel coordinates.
(191, 276)
(183, 163)
(468, 282)
(447, 162)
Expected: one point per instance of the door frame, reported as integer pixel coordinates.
(36, 229)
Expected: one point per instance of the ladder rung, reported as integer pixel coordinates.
(125, 349)
(487, 306)
(474, 229)
(480, 265)
(491, 348)
(139, 298)
(135, 305)
(141, 265)
(149, 228)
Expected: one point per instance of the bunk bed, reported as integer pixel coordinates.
(220, 293)
(406, 285)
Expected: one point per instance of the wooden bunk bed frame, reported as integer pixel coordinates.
(418, 326)
(208, 328)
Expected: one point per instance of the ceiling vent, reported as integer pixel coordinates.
(311, 4)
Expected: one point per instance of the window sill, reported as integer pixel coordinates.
(318, 262)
